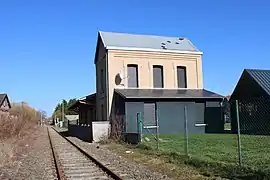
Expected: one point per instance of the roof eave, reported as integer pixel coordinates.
(100, 33)
(146, 97)
(152, 50)
(99, 38)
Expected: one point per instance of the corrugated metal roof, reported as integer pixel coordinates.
(146, 41)
(167, 93)
(262, 77)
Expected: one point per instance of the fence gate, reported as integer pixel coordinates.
(149, 119)
(199, 118)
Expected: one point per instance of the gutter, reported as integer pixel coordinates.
(152, 50)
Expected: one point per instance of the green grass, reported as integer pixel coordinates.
(217, 152)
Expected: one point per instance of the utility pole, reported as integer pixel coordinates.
(36, 115)
(41, 123)
(63, 111)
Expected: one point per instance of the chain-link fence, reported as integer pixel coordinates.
(252, 116)
(247, 146)
(192, 141)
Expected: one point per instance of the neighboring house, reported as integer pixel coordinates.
(253, 94)
(157, 76)
(4, 104)
(86, 108)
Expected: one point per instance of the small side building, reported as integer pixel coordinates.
(253, 95)
(4, 104)
(167, 106)
(86, 108)
(89, 128)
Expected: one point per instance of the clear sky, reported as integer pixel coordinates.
(47, 47)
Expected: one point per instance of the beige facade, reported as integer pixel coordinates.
(113, 62)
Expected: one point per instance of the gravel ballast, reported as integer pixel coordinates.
(121, 165)
(34, 160)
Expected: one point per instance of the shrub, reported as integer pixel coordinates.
(12, 126)
(21, 120)
(15, 131)
(117, 127)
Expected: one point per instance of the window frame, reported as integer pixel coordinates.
(161, 76)
(155, 113)
(185, 75)
(137, 75)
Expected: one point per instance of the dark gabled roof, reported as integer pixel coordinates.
(89, 100)
(167, 93)
(262, 77)
(253, 83)
(2, 98)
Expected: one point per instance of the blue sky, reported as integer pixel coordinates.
(47, 47)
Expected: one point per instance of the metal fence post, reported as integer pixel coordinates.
(139, 125)
(157, 131)
(186, 129)
(238, 134)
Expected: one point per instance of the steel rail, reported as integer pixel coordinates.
(98, 163)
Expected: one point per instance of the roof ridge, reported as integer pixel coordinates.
(254, 69)
(141, 34)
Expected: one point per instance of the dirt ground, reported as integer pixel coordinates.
(27, 157)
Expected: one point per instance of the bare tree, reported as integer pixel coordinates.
(117, 126)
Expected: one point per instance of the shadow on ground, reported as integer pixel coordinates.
(82, 133)
(66, 134)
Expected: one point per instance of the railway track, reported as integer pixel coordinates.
(71, 162)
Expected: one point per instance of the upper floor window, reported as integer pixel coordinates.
(102, 80)
(181, 77)
(132, 75)
(158, 76)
